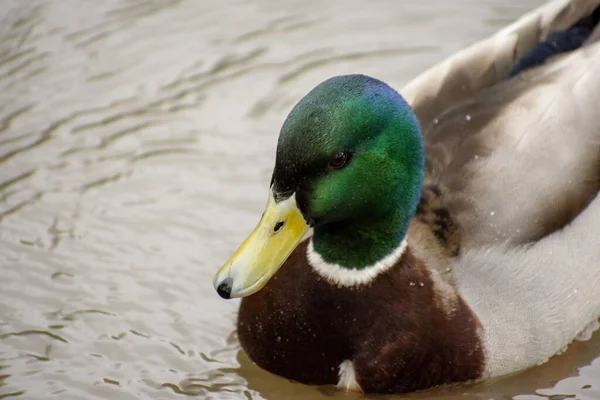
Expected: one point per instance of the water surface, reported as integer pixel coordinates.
(137, 139)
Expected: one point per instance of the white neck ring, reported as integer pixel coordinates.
(351, 277)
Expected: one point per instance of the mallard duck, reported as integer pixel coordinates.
(446, 234)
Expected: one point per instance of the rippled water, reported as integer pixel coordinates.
(137, 139)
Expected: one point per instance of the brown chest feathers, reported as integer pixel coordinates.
(397, 331)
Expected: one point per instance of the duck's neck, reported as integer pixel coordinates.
(361, 244)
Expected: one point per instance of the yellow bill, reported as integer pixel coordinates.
(277, 234)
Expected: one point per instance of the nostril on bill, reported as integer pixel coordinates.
(278, 226)
(224, 288)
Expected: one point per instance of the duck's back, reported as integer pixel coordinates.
(517, 161)
(516, 157)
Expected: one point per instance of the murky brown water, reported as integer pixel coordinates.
(137, 139)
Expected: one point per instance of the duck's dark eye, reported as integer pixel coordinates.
(339, 161)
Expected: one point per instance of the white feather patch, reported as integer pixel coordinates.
(347, 376)
(349, 277)
(589, 330)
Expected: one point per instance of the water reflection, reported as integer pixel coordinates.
(136, 143)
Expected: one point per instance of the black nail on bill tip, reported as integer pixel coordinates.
(224, 288)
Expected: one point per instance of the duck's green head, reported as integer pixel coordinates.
(349, 164)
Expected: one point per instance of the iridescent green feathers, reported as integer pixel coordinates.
(361, 210)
